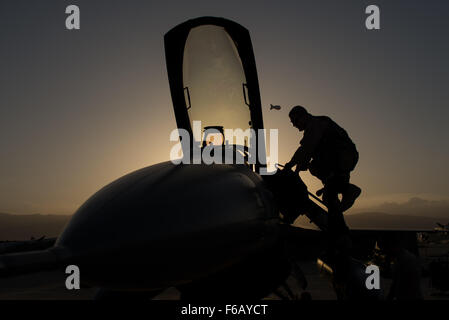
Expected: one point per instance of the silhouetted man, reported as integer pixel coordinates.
(329, 154)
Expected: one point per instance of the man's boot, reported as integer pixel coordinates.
(351, 193)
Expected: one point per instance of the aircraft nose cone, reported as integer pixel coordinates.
(164, 216)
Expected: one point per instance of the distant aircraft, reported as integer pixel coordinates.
(212, 231)
(442, 227)
(276, 107)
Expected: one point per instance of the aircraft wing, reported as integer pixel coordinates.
(28, 245)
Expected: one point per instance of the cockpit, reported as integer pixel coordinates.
(213, 83)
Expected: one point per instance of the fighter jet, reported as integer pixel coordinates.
(213, 231)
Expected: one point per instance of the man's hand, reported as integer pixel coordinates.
(289, 165)
(299, 167)
(302, 167)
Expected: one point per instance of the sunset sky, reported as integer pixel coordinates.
(81, 108)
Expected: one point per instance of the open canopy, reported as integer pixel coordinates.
(213, 78)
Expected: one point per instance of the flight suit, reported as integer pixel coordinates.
(330, 155)
(327, 151)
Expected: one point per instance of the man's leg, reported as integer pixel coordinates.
(332, 181)
(320, 171)
(339, 243)
(337, 223)
(349, 191)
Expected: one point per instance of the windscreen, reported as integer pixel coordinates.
(214, 81)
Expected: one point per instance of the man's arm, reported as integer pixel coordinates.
(312, 137)
(301, 159)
